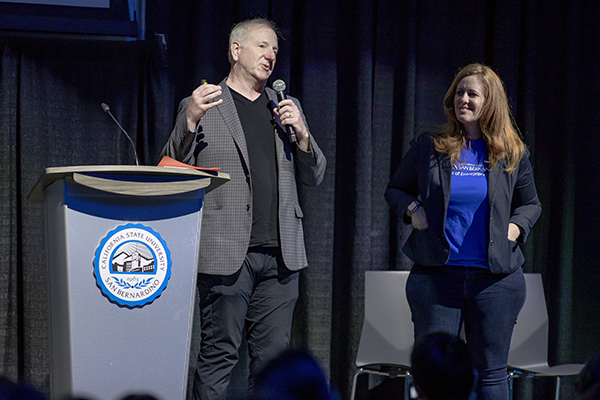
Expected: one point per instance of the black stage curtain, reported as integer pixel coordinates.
(51, 91)
(371, 75)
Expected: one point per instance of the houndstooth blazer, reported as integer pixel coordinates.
(227, 211)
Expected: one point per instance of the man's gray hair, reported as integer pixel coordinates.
(239, 32)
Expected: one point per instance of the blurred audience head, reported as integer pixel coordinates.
(10, 390)
(441, 368)
(141, 396)
(588, 381)
(293, 375)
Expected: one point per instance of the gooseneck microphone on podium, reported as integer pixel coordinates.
(279, 87)
(107, 110)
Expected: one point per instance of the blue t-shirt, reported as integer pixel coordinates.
(468, 210)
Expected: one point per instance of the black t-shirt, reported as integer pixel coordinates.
(257, 122)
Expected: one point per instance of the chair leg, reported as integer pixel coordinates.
(557, 397)
(510, 385)
(354, 383)
(407, 387)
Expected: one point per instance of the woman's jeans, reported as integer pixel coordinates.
(443, 298)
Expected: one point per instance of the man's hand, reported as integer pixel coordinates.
(201, 101)
(289, 114)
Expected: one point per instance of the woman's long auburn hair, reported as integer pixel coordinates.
(499, 131)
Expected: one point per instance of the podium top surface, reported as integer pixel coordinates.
(83, 174)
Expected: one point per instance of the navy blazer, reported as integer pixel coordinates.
(425, 174)
(227, 211)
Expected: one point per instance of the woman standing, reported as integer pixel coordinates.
(470, 195)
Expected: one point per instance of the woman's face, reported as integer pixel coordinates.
(468, 102)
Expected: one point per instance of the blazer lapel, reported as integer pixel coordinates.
(493, 179)
(279, 130)
(445, 176)
(232, 121)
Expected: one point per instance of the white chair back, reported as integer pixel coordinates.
(529, 344)
(387, 334)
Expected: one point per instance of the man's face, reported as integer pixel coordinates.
(256, 58)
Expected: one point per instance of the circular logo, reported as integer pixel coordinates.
(132, 265)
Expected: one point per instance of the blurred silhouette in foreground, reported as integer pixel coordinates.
(441, 368)
(293, 375)
(10, 390)
(139, 397)
(588, 381)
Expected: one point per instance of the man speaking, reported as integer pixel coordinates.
(252, 243)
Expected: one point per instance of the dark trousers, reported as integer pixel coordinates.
(443, 298)
(260, 299)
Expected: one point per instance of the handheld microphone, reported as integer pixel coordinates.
(279, 87)
(107, 110)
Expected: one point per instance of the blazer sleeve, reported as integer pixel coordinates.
(403, 187)
(181, 143)
(525, 205)
(310, 165)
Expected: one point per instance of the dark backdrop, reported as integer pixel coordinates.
(371, 75)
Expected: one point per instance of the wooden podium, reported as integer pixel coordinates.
(122, 250)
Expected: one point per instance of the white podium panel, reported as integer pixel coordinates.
(122, 251)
